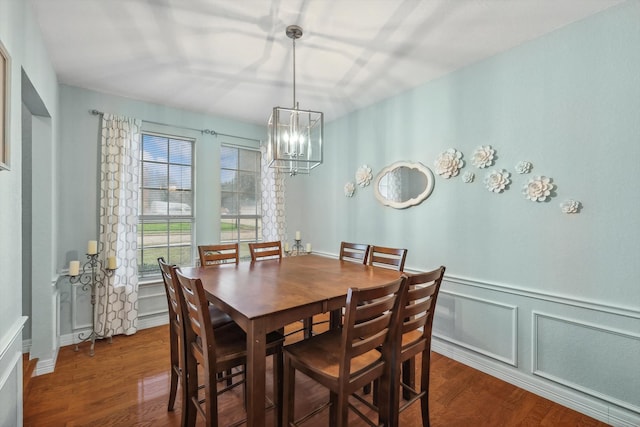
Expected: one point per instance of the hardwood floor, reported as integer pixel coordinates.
(126, 383)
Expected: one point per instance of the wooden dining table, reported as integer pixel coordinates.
(266, 295)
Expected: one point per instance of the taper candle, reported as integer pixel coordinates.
(74, 268)
(111, 263)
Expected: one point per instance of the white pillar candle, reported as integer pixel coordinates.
(298, 235)
(92, 247)
(74, 268)
(286, 246)
(111, 263)
(308, 247)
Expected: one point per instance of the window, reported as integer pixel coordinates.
(240, 197)
(165, 225)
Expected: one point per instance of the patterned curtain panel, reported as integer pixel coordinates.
(117, 303)
(273, 214)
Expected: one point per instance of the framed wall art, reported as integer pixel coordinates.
(5, 84)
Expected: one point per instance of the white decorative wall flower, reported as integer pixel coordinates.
(538, 189)
(523, 167)
(571, 206)
(349, 189)
(497, 180)
(483, 156)
(448, 163)
(363, 176)
(468, 177)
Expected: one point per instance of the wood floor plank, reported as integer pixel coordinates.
(126, 384)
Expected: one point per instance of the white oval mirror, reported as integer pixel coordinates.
(403, 184)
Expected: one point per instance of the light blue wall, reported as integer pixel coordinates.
(21, 37)
(568, 102)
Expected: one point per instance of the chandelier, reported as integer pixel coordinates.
(295, 136)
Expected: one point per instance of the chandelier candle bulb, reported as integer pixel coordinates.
(74, 268)
(92, 247)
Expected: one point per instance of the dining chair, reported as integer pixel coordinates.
(393, 258)
(273, 250)
(416, 322)
(344, 360)
(354, 252)
(357, 252)
(265, 250)
(176, 331)
(211, 255)
(216, 351)
(176, 336)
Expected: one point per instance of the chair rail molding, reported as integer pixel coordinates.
(545, 296)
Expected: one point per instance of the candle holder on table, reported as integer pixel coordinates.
(92, 276)
(297, 248)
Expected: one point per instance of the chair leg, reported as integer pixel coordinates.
(342, 411)
(191, 412)
(424, 386)
(211, 397)
(288, 401)
(175, 363)
(278, 367)
(173, 388)
(409, 376)
(334, 414)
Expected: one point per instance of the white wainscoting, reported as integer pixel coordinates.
(152, 310)
(588, 358)
(11, 375)
(486, 327)
(581, 354)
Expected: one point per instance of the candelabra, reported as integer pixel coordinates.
(92, 277)
(297, 247)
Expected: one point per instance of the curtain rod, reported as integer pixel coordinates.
(203, 131)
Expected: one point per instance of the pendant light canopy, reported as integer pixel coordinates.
(295, 136)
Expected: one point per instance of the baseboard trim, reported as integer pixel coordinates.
(602, 411)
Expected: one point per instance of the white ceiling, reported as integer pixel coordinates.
(232, 58)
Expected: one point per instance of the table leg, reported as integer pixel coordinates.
(256, 367)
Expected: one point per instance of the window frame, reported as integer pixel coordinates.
(167, 218)
(239, 217)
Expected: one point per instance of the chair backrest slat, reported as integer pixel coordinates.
(393, 258)
(367, 326)
(170, 287)
(265, 250)
(199, 331)
(422, 293)
(225, 253)
(357, 252)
